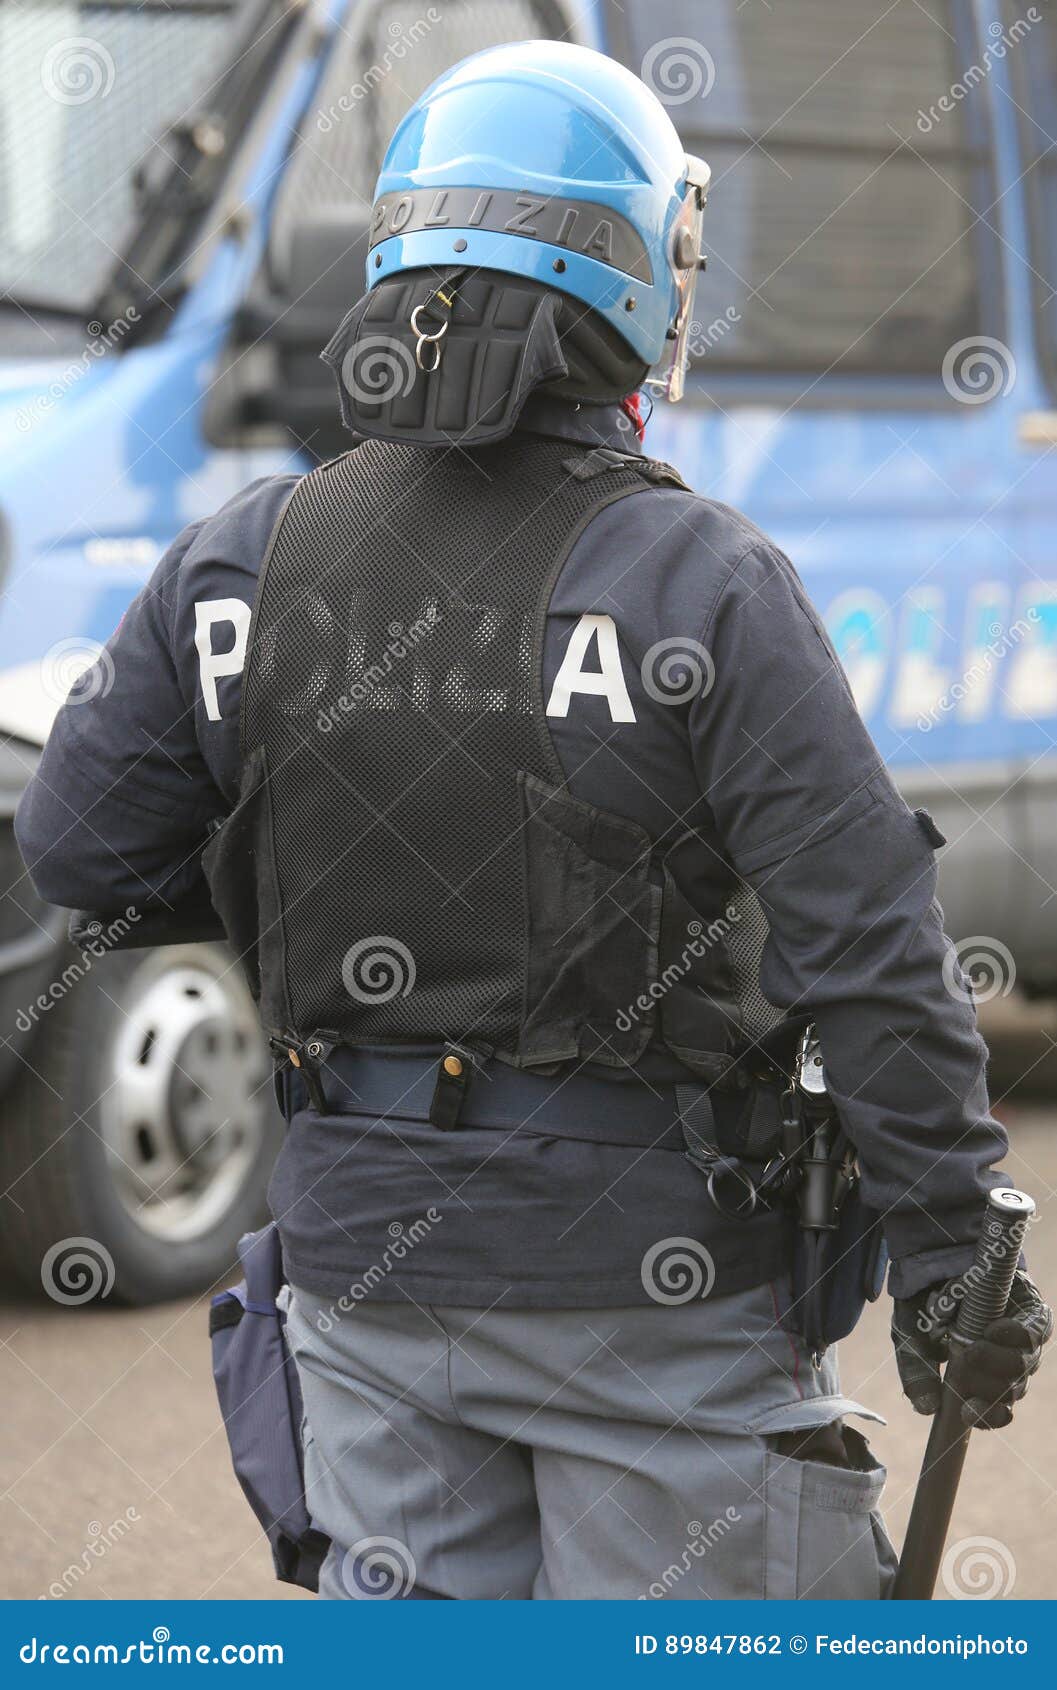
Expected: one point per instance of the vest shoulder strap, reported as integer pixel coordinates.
(603, 460)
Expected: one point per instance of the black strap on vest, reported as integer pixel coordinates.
(455, 1070)
(603, 459)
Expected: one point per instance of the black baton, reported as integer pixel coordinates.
(987, 1286)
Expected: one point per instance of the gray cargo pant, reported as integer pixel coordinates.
(570, 1453)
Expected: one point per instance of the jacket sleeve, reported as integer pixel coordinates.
(143, 757)
(116, 812)
(846, 875)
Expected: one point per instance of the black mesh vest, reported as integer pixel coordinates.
(405, 864)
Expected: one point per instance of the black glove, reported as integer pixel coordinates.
(994, 1371)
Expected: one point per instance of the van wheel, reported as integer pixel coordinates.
(136, 1147)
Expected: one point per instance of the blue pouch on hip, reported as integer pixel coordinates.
(260, 1400)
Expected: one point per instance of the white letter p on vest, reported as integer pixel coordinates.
(212, 665)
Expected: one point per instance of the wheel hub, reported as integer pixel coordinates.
(184, 1114)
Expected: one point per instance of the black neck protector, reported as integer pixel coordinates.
(492, 340)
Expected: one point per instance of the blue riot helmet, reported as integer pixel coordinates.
(536, 184)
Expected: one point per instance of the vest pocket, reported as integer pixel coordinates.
(592, 918)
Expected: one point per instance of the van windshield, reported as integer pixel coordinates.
(85, 87)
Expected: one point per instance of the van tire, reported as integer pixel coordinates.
(69, 1227)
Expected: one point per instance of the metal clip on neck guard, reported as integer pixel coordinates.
(428, 347)
(426, 343)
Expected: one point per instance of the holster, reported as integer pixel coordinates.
(848, 1272)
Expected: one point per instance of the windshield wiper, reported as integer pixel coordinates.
(178, 179)
(29, 305)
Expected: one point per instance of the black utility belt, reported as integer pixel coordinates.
(456, 1088)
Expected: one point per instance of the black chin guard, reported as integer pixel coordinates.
(450, 359)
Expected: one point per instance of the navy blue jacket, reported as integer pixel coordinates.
(779, 776)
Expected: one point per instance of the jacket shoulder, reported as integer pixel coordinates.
(727, 532)
(237, 535)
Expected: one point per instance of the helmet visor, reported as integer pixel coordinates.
(686, 263)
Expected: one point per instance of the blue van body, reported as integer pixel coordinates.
(922, 521)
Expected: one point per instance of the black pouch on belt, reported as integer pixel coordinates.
(847, 1268)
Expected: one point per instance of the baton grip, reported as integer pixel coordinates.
(989, 1279)
(987, 1286)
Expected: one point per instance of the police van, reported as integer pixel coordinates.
(185, 189)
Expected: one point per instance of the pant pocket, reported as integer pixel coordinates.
(825, 1539)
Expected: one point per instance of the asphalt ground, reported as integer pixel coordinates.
(113, 1462)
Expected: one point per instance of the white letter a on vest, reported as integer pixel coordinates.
(606, 682)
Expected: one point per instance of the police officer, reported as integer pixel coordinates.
(535, 803)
